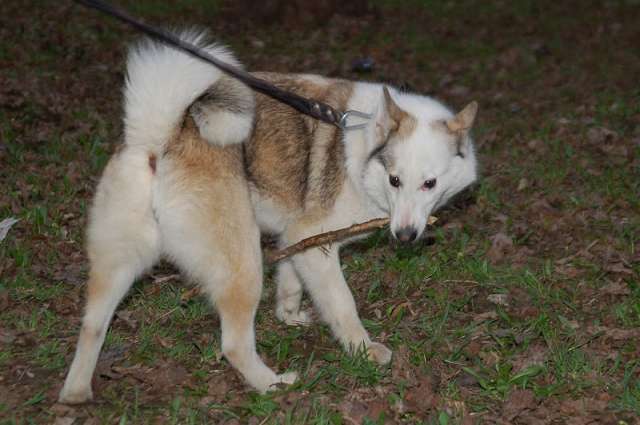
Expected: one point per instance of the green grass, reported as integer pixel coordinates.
(428, 301)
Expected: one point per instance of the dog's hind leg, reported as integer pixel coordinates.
(209, 229)
(122, 242)
(237, 303)
(214, 238)
(289, 295)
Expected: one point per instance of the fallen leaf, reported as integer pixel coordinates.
(618, 267)
(421, 398)
(218, 385)
(353, 412)
(489, 358)
(535, 355)
(501, 244)
(167, 376)
(487, 315)
(157, 280)
(62, 410)
(518, 401)
(164, 342)
(499, 299)
(402, 369)
(582, 405)
(466, 379)
(6, 336)
(399, 407)
(5, 226)
(599, 135)
(522, 184)
(614, 333)
(190, 294)
(4, 299)
(127, 317)
(616, 288)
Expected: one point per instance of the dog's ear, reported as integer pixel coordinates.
(463, 121)
(459, 127)
(396, 115)
(388, 117)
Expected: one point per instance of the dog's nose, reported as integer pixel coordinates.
(407, 234)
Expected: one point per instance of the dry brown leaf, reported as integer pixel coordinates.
(353, 412)
(402, 369)
(422, 398)
(499, 299)
(535, 355)
(599, 135)
(501, 245)
(616, 288)
(518, 401)
(6, 336)
(583, 405)
(128, 319)
(614, 333)
(618, 267)
(487, 315)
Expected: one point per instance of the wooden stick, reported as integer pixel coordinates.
(326, 238)
(329, 237)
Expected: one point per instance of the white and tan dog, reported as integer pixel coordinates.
(206, 165)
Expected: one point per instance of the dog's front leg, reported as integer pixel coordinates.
(289, 295)
(321, 272)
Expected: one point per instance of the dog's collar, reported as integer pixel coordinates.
(313, 108)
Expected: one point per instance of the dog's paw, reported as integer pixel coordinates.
(379, 353)
(299, 318)
(279, 381)
(288, 378)
(75, 397)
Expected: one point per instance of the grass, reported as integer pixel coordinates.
(574, 226)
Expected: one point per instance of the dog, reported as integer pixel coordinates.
(207, 165)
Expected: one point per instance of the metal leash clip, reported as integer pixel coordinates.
(351, 113)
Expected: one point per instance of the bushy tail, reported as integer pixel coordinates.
(162, 83)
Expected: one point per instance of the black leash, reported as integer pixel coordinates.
(315, 109)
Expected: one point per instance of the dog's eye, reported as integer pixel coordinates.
(429, 184)
(394, 181)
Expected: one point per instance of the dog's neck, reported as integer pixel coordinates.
(358, 144)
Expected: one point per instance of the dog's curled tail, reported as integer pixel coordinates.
(163, 83)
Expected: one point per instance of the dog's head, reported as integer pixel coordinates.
(420, 155)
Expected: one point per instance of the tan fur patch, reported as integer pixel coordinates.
(197, 157)
(239, 300)
(291, 158)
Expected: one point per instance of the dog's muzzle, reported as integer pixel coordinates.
(406, 234)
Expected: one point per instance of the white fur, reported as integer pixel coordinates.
(162, 82)
(224, 127)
